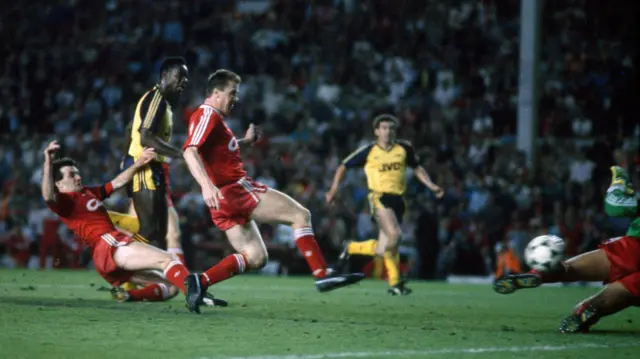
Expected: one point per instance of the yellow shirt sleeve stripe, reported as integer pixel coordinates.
(352, 161)
(153, 109)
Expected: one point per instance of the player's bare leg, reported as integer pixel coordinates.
(252, 254)
(136, 257)
(591, 267)
(174, 234)
(388, 244)
(277, 207)
(611, 299)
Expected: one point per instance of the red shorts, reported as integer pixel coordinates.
(102, 254)
(240, 199)
(167, 187)
(624, 256)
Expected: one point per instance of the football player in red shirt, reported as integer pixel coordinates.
(236, 202)
(118, 258)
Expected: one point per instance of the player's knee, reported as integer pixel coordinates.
(393, 238)
(302, 217)
(165, 260)
(257, 259)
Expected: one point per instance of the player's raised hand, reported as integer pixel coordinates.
(52, 147)
(330, 196)
(253, 133)
(212, 196)
(146, 156)
(438, 191)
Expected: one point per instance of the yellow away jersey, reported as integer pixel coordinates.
(153, 112)
(385, 170)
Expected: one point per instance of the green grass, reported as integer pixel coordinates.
(61, 314)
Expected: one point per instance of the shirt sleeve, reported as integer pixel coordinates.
(412, 159)
(101, 192)
(152, 107)
(357, 158)
(63, 205)
(619, 203)
(200, 126)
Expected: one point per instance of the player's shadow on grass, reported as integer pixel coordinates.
(66, 303)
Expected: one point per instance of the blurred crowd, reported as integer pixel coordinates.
(314, 76)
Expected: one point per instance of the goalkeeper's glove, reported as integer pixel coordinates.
(620, 177)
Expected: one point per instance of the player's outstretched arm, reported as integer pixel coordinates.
(127, 175)
(337, 178)
(620, 200)
(210, 193)
(357, 158)
(424, 177)
(48, 193)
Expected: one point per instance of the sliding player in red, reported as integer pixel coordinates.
(616, 264)
(235, 201)
(118, 258)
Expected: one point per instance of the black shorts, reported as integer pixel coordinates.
(385, 200)
(151, 177)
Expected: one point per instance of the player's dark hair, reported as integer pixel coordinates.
(220, 79)
(58, 164)
(384, 118)
(171, 63)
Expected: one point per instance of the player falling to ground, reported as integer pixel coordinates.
(616, 264)
(117, 257)
(152, 127)
(384, 163)
(212, 154)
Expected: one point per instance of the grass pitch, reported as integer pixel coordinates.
(62, 314)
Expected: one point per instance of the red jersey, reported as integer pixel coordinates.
(217, 145)
(85, 215)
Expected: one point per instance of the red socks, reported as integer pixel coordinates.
(307, 244)
(175, 273)
(227, 268)
(151, 293)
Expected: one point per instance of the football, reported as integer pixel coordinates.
(544, 253)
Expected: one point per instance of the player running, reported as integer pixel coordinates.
(117, 257)
(384, 163)
(152, 127)
(616, 264)
(212, 154)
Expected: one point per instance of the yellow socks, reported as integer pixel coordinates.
(392, 263)
(125, 221)
(366, 248)
(378, 267)
(129, 286)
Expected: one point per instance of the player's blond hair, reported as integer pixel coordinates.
(220, 79)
